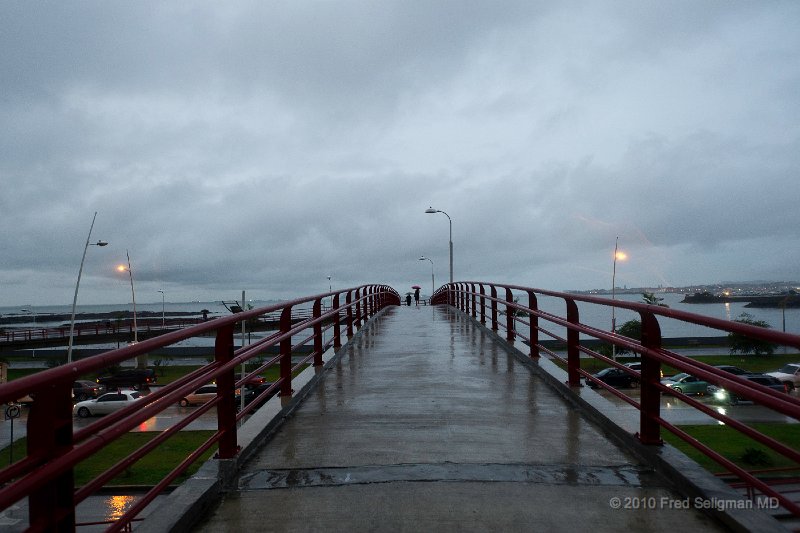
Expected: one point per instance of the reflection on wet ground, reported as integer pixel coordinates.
(675, 411)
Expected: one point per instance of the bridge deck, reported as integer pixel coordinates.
(426, 423)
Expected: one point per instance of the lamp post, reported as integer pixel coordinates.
(621, 256)
(29, 310)
(432, 210)
(122, 268)
(433, 284)
(163, 320)
(77, 284)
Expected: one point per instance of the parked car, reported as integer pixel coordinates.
(255, 381)
(638, 367)
(615, 377)
(735, 370)
(723, 395)
(106, 403)
(789, 375)
(686, 383)
(254, 392)
(204, 394)
(83, 389)
(129, 377)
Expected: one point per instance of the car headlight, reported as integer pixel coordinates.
(720, 394)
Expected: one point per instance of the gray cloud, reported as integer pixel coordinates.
(267, 146)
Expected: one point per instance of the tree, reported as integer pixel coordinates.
(632, 328)
(652, 299)
(746, 345)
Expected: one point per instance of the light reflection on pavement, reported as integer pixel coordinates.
(678, 412)
(164, 420)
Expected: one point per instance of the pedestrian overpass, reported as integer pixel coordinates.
(454, 417)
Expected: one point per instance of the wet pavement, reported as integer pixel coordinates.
(426, 423)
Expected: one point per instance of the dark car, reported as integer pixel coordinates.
(615, 377)
(84, 389)
(253, 392)
(723, 395)
(735, 370)
(129, 377)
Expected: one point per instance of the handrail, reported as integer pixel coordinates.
(472, 298)
(45, 475)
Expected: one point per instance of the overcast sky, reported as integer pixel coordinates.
(268, 145)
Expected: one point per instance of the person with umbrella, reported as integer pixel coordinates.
(416, 293)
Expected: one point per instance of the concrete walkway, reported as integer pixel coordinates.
(425, 424)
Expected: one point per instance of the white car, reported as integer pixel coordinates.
(788, 374)
(107, 403)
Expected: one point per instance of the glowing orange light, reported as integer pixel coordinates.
(621, 256)
(122, 268)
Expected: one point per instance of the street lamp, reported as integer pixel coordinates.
(433, 284)
(163, 321)
(621, 256)
(122, 268)
(30, 311)
(432, 210)
(77, 284)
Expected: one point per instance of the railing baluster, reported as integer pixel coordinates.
(495, 327)
(348, 301)
(510, 311)
(226, 408)
(534, 321)
(649, 428)
(474, 300)
(337, 334)
(483, 305)
(316, 313)
(50, 508)
(286, 356)
(573, 340)
(358, 309)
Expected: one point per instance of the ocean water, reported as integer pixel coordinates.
(600, 316)
(592, 315)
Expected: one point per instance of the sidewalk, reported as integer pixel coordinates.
(425, 424)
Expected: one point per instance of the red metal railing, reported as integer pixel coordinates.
(498, 304)
(94, 329)
(98, 328)
(45, 475)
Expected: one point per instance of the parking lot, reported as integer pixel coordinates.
(678, 412)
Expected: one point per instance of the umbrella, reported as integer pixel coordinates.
(416, 287)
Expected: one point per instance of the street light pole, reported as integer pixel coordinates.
(30, 311)
(433, 284)
(133, 297)
(621, 256)
(432, 210)
(77, 284)
(163, 320)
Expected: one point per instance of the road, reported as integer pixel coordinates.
(167, 418)
(676, 411)
(672, 409)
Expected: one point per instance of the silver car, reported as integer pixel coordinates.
(107, 403)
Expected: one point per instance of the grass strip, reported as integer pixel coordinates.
(148, 471)
(737, 447)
